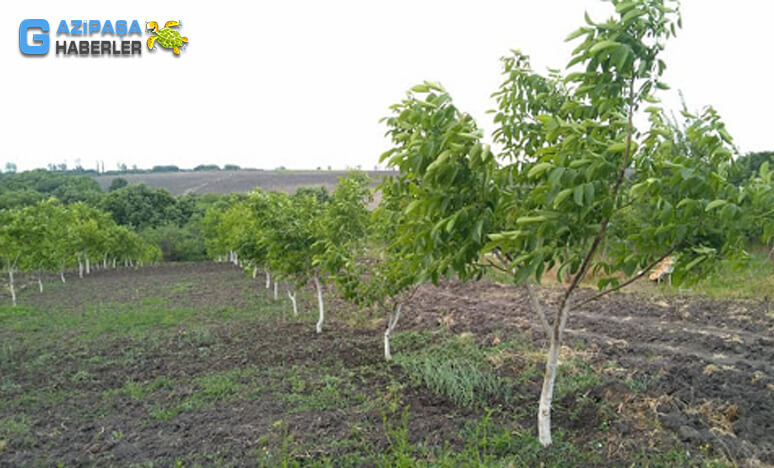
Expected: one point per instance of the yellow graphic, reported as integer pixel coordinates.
(167, 37)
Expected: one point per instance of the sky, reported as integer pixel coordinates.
(303, 84)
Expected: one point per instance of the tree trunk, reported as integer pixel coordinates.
(40, 283)
(268, 279)
(114, 263)
(62, 276)
(104, 261)
(392, 320)
(80, 267)
(549, 378)
(12, 287)
(319, 303)
(88, 266)
(255, 272)
(275, 290)
(292, 297)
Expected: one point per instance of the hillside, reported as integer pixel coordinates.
(179, 183)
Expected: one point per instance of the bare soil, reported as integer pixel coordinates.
(711, 363)
(705, 369)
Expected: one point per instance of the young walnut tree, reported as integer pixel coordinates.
(577, 189)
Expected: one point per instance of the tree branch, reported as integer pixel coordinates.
(492, 265)
(630, 280)
(605, 221)
(538, 309)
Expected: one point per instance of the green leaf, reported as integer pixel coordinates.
(439, 160)
(530, 220)
(478, 230)
(420, 88)
(623, 7)
(616, 148)
(589, 193)
(725, 136)
(413, 206)
(579, 163)
(578, 33)
(715, 204)
(620, 55)
(577, 195)
(561, 196)
(693, 263)
(556, 176)
(603, 45)
(631, 15)
(538, 169)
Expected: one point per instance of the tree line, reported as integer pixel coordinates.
(49, 237)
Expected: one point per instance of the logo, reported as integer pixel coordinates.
(167, 37)
(88, 38)
(41, 48)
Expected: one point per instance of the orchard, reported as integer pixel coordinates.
(480, 284)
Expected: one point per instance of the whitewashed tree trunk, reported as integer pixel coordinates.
(114, 263)
(40, 283)
(268, 279)
(62, 276)
(392, 320)
(88, 266)
(319, 304)
(255, 272)
(549, 378)
(275, 290)
(292, 297)
(104, 261)
(80, 267)
(12, 286)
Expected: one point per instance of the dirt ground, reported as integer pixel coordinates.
(703, 370)
(712, 362)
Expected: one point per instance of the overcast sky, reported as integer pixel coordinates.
(303, 83)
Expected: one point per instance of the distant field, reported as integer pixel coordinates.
(179, 183)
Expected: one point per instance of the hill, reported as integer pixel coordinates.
(198, 182)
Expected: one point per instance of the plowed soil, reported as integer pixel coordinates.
(712, 361)
(706, 369)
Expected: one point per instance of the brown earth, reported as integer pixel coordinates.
(712, 361)
(708, 366)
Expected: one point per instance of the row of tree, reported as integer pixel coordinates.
(577, 190)
(297, 239)
(49, 237)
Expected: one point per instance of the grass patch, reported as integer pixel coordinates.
(755, 279)
(202, 392)
(456, 368)
(310, 391)
(181, 287)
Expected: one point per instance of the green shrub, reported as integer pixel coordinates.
(178, 244)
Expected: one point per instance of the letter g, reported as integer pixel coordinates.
(41, 40)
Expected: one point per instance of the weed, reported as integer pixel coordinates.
(456, 368)
(81, 376)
